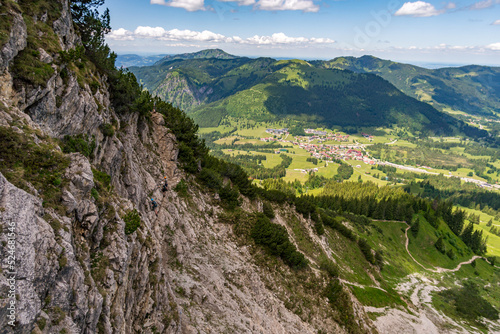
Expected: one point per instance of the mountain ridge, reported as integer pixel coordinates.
(473, 89)
(207, 87)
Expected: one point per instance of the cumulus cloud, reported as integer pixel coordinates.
(478, 49)
(303, 5)
(277, 38)
(121, 35)
(494, 46)
(177, 35)
(418, 9)
(189, 5)
(496, 23)
(194, 5)
(241, 2)
(483, 4)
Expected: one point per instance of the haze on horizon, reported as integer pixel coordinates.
(458, 32)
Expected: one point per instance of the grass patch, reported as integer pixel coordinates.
(7, 20)
(466, 302)
(375, 297)
(423, 249)
(23, 162)
(132, 221)
(81, 143)
(181, 189)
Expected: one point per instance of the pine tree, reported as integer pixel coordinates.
(415, 227)
(440, 245)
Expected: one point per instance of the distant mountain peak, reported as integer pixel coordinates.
(203, 54)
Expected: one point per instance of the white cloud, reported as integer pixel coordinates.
(120, 35)
(189, 5)
(496, 23)
(483, 4)
(241, 2)
(494, 46)
(303, 5)
(194, 5)
(418, 9)
(322, 40)
(176, 35)
(277, 38)
(149, 32)
(444, 48)
(281, 39)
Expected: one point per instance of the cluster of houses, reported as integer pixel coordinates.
(277, 131)
(307, 170)
(315, 132)
(367, 136)
(321, 136)
(331, 152)
(322, 151)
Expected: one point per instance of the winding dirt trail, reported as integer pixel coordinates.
(436, 269)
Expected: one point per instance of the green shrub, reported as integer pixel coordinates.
(341, 302)
(451, 254)
(267, 209)
(318, 226)
(366, 250)
(440, 246)
(101, 179)
(229, 196)
(94, 193)
(181, 188)
(275, 238)
(210, 178)
(83, 144)
(94, 86)
(57, 182)
(469, 303)
(41, 165)
(132, 221)
(42, 322)
(328, 265)
(107, 130)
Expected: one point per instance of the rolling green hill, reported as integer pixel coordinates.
(192, 79)
(325, 96)
(212, 85)
(471, 89)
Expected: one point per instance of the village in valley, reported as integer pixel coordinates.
(319, 145)
(321, 151)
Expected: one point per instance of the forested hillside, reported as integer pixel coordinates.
(213, 85)
(470, 89)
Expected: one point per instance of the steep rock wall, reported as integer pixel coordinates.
(181, 271)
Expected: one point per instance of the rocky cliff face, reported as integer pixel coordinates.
(81, 267)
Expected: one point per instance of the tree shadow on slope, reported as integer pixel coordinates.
(366, 100)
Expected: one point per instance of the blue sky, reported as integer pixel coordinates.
(449, 32)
